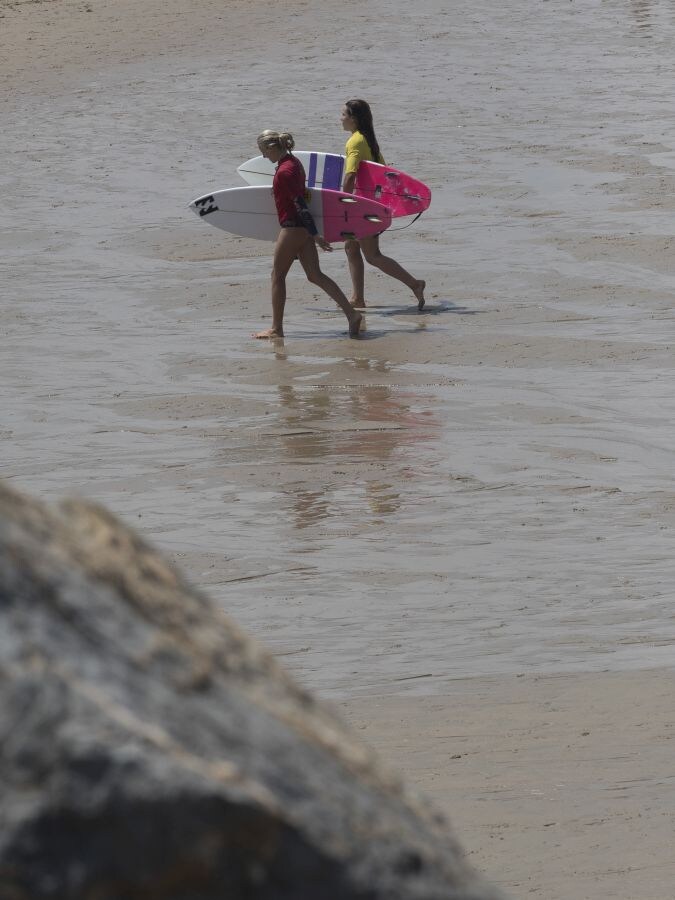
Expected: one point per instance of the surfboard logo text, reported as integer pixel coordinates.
(202, 206)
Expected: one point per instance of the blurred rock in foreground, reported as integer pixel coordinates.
(150, 750)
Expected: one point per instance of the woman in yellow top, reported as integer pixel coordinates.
(362, 145)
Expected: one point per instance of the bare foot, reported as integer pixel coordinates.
(269, 334)
(355, 325)
(358, 304)
(418, 291)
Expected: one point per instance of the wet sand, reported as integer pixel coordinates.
(458, 528)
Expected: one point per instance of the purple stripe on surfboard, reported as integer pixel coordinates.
(332, 172)
(311, 175)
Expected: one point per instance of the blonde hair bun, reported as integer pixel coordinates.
(287, 140)
(269, 138)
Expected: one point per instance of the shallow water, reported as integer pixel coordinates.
(484, 488)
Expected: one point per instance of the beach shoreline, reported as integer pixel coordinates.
(558, 785)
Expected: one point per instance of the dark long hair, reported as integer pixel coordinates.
(360, 112)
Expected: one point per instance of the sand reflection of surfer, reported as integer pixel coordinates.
(318, 440)
(298, 236)
(362, 145)
(643, 12)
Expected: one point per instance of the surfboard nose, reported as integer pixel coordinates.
(204, 205)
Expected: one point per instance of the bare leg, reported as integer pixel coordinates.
(309, 260)
(356, 270)
(286, 250)
(373, 255)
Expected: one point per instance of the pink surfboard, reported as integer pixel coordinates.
(402, 194)
(250, 212)
(347, 216)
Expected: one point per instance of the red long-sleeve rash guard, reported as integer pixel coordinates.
(289, 191)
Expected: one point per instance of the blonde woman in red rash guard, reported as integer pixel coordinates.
(363, 146)
(298, 237)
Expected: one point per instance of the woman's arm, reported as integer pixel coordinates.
(305, 215)
(353, 157)
(348, 182)
(307, 219)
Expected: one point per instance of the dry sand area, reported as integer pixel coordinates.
(458, 528)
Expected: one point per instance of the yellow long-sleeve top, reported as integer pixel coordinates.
(357, 150)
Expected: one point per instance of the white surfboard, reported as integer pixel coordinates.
(322, 170)
(402, 194)
(251, 212)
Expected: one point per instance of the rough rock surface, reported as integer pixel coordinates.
(149, 749)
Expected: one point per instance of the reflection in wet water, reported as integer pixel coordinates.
(310, 508)
(366, 425)
(648, 17)
(642, 12)
(381, 366)
(383, 498)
